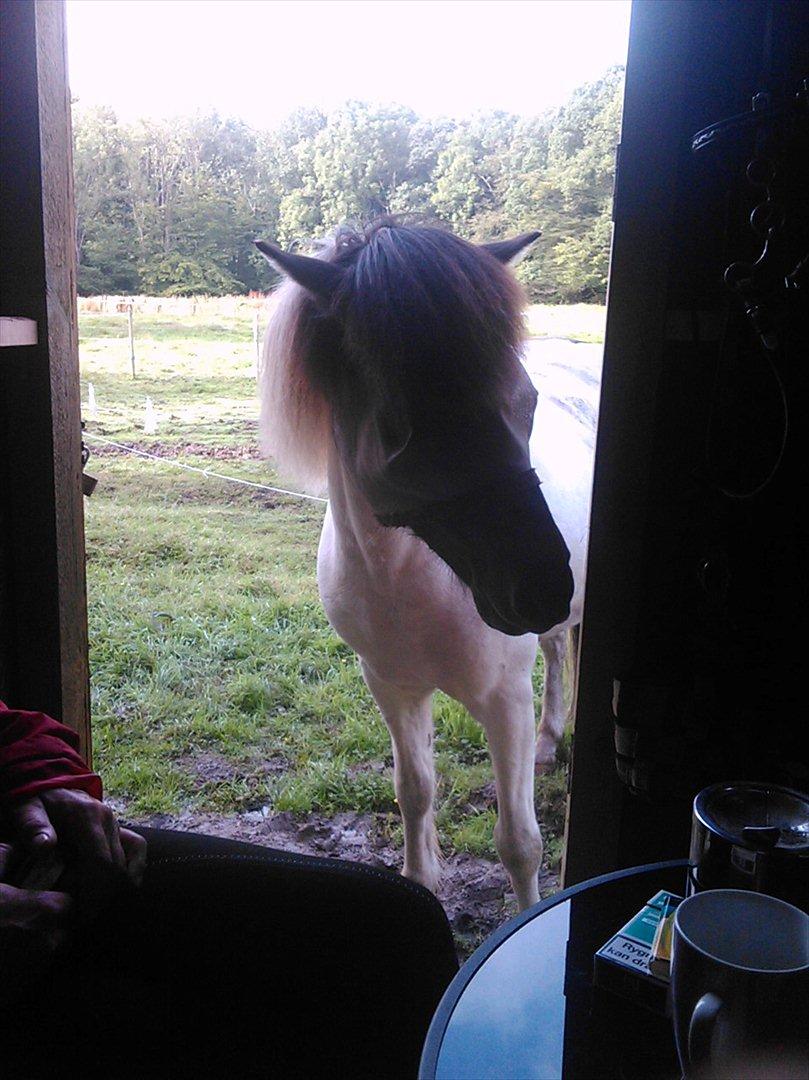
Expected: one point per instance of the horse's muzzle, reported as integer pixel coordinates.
(502, 541)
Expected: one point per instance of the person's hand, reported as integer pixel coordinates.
(65, 829)
(40, 911)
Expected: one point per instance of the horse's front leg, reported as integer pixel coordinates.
(409, 716)
(554, 714)
(508, 720)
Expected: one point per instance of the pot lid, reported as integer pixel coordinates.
(755, 815)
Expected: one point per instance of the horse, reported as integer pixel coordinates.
(392, 380)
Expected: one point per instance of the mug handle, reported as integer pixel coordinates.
(700, 1029)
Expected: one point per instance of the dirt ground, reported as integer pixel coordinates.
(475, 892)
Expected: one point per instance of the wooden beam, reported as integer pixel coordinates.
(44, 662)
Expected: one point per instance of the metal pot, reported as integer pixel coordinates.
(750, 835)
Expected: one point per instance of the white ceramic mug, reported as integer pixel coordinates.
(740, 985)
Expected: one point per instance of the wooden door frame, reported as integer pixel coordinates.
(44, 643)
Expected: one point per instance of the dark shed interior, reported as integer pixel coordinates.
(695, 612)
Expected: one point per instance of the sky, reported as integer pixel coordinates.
(260, 59)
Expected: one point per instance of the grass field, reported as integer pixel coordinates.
(217, 684)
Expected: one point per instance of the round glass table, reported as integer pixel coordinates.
(524, 1006)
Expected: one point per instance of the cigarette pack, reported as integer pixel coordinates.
(634, 962)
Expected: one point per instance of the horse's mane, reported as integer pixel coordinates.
(295, 416)
(416, 302)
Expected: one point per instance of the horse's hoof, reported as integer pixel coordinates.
(544, 764)
(428, 880)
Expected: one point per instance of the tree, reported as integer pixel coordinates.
(580, 172)
(105, 254)
(461, 188)
(360, 158)
(412, 195)
(173, 206)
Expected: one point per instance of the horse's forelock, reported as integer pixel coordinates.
(421, 300)
(419, 306)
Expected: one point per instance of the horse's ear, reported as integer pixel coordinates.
(510, 252)
(318, 277)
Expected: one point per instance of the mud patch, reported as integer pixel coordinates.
(212, 768)
(207, 768)
(474, 892)
(247, 452)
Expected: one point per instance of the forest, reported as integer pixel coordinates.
(171, 207)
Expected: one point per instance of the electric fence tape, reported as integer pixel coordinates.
(203, 472)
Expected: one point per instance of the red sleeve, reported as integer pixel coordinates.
(37, 753)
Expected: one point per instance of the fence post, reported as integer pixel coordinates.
(149, 418)
(256, 339)
(131, 337)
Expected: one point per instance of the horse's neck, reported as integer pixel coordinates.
(351, 511)
(359, 534)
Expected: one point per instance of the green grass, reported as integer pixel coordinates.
(200, 374)
(225, 328)
(217, 684)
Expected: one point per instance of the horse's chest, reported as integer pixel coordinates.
(389, 605)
